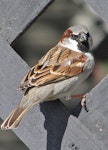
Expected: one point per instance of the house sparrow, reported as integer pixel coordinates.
(57, 74)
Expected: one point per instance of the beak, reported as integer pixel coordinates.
(83, 38)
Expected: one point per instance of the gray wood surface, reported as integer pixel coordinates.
(96, 120)
(100, 7)
(15, 15)
(48, 126)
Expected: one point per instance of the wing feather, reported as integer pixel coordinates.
(58, 64)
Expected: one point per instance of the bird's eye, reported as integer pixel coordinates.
(88, 35)
(74, 37)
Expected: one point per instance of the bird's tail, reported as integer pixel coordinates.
(13, 120)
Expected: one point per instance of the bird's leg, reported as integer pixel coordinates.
(83, 100)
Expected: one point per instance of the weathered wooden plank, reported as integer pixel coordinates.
(77, 137)
(96, 120)
(12, 68)
(101, 8)
(15, 15)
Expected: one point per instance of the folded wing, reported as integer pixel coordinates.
(58, 64)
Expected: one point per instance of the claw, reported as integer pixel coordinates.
(83, 102)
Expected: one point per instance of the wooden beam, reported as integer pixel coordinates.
(100, 7)
(16, 15)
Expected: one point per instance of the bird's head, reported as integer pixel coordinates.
(77, 38)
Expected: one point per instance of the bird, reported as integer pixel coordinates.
(57, 74)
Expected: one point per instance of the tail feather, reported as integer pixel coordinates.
(13, 120)
(28, 100)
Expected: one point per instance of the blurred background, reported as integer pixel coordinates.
(45, 32)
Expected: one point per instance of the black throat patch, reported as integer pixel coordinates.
(83, 46)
